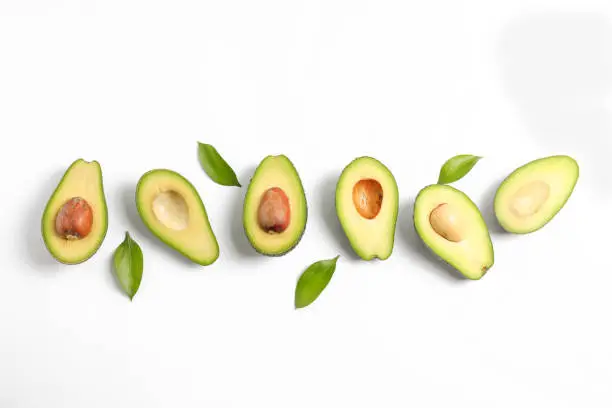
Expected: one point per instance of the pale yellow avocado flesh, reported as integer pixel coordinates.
(82, 179)
(172, 209)
(369, 238)
(275, 171)
(473, 255)
(534, 193)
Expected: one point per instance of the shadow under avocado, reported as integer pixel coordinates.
(409, 234)
(235, 219)
(487, 209)
(128, 198)
(327, 205)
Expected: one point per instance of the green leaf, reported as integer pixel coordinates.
(457, 167)
(128, 265)
(215, 166)
(313, 281)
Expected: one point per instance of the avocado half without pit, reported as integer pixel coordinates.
(531, 196)
(367, 201)
(452, 226)
(173, 211)
(275, 208)
(75, 219)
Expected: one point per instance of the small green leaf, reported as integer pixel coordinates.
(457, 167)
(215, 166)
(128, 265)
(313, 281)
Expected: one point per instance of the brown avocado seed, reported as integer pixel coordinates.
(367, 198)
(74, 219)
(274, 213)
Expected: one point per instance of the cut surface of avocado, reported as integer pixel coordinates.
(75, 219)
(452, 226)
(367, 201)
(275, 207)
(172, 209)
(531, 196)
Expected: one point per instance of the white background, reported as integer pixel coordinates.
(135, 84)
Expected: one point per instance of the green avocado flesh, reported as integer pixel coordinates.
(451, 225)
(275, 172)
(172, 209)
(534, 193)
(83, 180)
(367, 201)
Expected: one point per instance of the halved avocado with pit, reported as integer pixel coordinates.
(172, 209)
(275, 207)
(452, 226)
(75, 219)
(532, 195)
(367, 201)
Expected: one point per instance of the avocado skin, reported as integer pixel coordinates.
(162, 238)
(47, 208)
(459, 274)
(508, 179)
(393, 219)
(244, 206)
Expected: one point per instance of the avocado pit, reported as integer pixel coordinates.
(530, 198)
(446, 223)
(74, 219)
(367, 198)
(171, 210)
(274, 213)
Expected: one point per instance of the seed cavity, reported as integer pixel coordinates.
(530, 198)
(74, 219)
(446, 223)
(274, 212)
(171, 210)
(367, 198)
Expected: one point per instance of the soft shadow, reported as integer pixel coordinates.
(327, 207)
(235, 220)
(33, 245)
(557, 68)
(128, 198)
(487, 209)
(418, 247)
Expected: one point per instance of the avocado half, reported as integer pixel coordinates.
(172, 209)
(82, 181)
(532, 195)
(452, 226)
(367, 201)
(275, 173)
